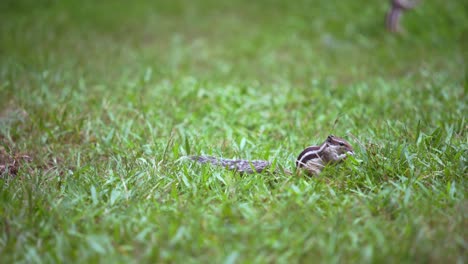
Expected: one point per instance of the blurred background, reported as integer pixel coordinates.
(266, 40)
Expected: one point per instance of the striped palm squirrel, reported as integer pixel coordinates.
(312, 159)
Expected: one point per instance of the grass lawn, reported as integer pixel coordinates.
(100, 101)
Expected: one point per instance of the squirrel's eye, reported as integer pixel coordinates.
(341, 144)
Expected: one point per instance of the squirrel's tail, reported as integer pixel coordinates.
(245, 166)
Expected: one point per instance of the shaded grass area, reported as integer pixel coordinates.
(105, 98)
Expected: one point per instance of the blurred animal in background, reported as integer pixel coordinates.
(397, 8)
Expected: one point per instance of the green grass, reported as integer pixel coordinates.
(105, 97)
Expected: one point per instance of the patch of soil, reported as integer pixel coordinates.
(10, 160)
(11, 163)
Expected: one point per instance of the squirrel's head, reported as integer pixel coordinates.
(340, 145)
